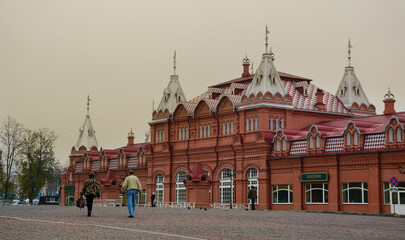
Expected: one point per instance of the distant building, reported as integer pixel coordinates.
(302, 147)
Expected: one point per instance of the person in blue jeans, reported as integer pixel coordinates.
(132, 186)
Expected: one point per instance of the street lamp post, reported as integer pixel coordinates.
(233, 174)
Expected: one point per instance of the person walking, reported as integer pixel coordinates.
(91, 189)
(132, 186)
(152, 199)
(252, 195)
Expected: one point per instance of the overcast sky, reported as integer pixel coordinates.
(53, 53)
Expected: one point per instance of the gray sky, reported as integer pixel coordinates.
(53, 53)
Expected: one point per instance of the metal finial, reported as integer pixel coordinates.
(246, 60)
(174, 63)
(131, 134)
(252, 69)
(349, 51)
(389, 95)
(88, 105)
(267, 39)
(153, 105)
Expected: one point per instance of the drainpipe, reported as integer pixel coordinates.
(217, 155)
(171, 160)
(188, 144)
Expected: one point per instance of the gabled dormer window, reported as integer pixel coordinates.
(311, 142)
(318, 141)
(399, 134)
(305, 92)
(356, 138)
(349, 139)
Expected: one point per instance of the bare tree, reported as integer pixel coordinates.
(11, 137)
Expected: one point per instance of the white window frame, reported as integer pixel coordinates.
(363, 189)
(399, 134)
(232, 127)
(356, 138)
(271, 123)
(160, 188)
(247, 124)
(223, 128)
(180, 188)
(225, 183)
(323, 189)
(252, 175)
(390, 135)
(349, 139)
(256, 123)
(276, 190)
(318, 141)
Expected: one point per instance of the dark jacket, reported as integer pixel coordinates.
(252, 194)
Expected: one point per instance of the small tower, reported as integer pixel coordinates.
(350, 90)
(245, 64)
(266, 78)
(87, 137)
(173, 94)
(131, 138)
(389, 103)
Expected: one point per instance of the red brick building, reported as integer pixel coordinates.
(301, 146)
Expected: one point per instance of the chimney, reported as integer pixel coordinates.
(131, 138)
(246, 64)
(389, 102)
(319, 100)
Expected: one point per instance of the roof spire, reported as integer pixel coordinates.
(252, 69)
(88, 105)
(267, 39)
(389, 95)
(174, 63)
(349, 51)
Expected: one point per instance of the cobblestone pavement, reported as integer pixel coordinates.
(55, 222)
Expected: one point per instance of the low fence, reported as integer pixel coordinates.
(176, 205)
(226, 206)
(118, 203)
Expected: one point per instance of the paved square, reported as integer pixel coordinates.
(55, 222)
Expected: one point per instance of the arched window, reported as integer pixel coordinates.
(247, 124)
(160, 189)
(223, 128)
(180, 188)
(180, 134)
(209, 130)
(318, 141)
(253, 182)
(157, 136)
(276, 123)
(271, 123)
(163, 135)
(227, 127)
(256, 123)
(349, 139)
(281, 123)
(391, 135)
(278, 145)
(187, 132)
(225, 186)
(311, 142)
(252, 124)
(205, 130)
(356, 138)
(201, 131)
(284, 144)
(232, 127)
(399, 134)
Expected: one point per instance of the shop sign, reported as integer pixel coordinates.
(314, 177)
(69, 188)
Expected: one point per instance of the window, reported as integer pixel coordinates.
(157, 137)
(209, 130)
(281, 123)
(316, 193)
(251, 124)
(227, 127)
(232, 127)
(276, 123)
(349, 139)
(141, 199)
(341, 92)
(271, 123)
(163, 135)
(318, 141)
(201, 131)
(225, 186)
(184, 133)
(205, 130)
(256, 123)
(391, 135)
(223, 128)
(180, 134)
(355, 193)
(253, 182)
(284, 144)
(180, 188)
(394, 195)
(311, 142)
(187, 133)
(159, 188)
(278, 145)
(399, 134)
(283, 194)
(356, 138)
(247, 124)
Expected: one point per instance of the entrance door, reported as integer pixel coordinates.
(398, 200)
(70, 199)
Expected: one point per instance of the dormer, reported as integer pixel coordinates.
(315, 143)
(353, 139)
(141, 158)
(394, 134)
(281, 145)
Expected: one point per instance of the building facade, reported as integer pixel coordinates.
(302, 147)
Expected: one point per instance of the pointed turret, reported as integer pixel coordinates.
(87, 137)
(173, 94)
(266, 78)
(350, 90)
